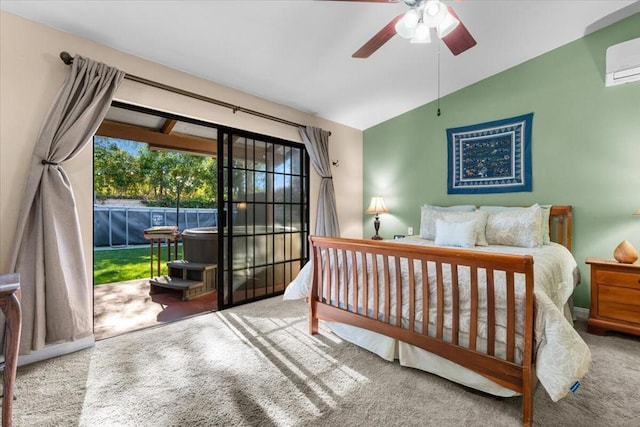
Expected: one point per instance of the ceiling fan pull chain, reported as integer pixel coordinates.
(438, 77)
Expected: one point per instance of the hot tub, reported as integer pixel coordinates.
(200, 245)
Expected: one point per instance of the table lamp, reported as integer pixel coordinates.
(377, 206)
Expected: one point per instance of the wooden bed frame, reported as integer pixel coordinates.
(331, 254)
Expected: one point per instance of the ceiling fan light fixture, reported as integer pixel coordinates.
(406, 26)
(447, 25)
(415, 25)
(422, 34)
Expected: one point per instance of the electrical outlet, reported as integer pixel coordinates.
(410, 231)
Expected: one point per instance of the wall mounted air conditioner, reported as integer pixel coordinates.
(623, 63)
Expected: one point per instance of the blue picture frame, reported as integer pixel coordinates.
(492, 157)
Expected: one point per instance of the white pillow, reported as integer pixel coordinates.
(545, 212)
(461, 234)
(429, 216)
(515, 227)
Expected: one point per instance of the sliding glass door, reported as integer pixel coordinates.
(239, 199)
(265, 198)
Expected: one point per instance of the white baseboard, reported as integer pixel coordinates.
(581, 313)
(56, 350)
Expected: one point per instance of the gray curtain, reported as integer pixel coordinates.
(316, 141)
(56, 298)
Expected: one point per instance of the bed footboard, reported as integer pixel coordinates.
(379, 286)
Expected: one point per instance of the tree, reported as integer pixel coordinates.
(115, 169)
(154, 176)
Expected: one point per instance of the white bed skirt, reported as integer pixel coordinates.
(414, 357)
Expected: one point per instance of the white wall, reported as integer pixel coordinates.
(31, 74)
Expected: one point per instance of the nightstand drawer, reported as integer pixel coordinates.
(619, 303)
(617, 278)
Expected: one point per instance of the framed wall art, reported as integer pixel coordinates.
(492, 157)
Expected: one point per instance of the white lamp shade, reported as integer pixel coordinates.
(406, 26)
(422, 34)
(377, 206)
(403, 31)
(434, 13)
(446, 25)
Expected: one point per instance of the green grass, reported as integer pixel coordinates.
(119, 265)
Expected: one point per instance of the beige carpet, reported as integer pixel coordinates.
(256, 365)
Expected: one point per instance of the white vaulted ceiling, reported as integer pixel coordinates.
(298, 53)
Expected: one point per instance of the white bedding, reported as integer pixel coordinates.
(562, 357)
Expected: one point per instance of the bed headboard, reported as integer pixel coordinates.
(561, 225)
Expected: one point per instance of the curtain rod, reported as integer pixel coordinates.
(68, 59)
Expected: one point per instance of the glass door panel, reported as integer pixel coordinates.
(265, 185)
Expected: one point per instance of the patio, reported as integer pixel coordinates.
(127, 306)
(123, 307)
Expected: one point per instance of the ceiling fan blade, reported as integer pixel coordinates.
(383, 36)
(460, 39)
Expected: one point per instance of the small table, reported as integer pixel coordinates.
(10, 305)
(158, 238)
(615, 297)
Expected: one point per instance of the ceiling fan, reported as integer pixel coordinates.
(416, 24)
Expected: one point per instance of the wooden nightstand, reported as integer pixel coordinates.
(615, 297)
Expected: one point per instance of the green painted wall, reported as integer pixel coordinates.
(585, 146)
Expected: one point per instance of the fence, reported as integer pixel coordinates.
(123, 226)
